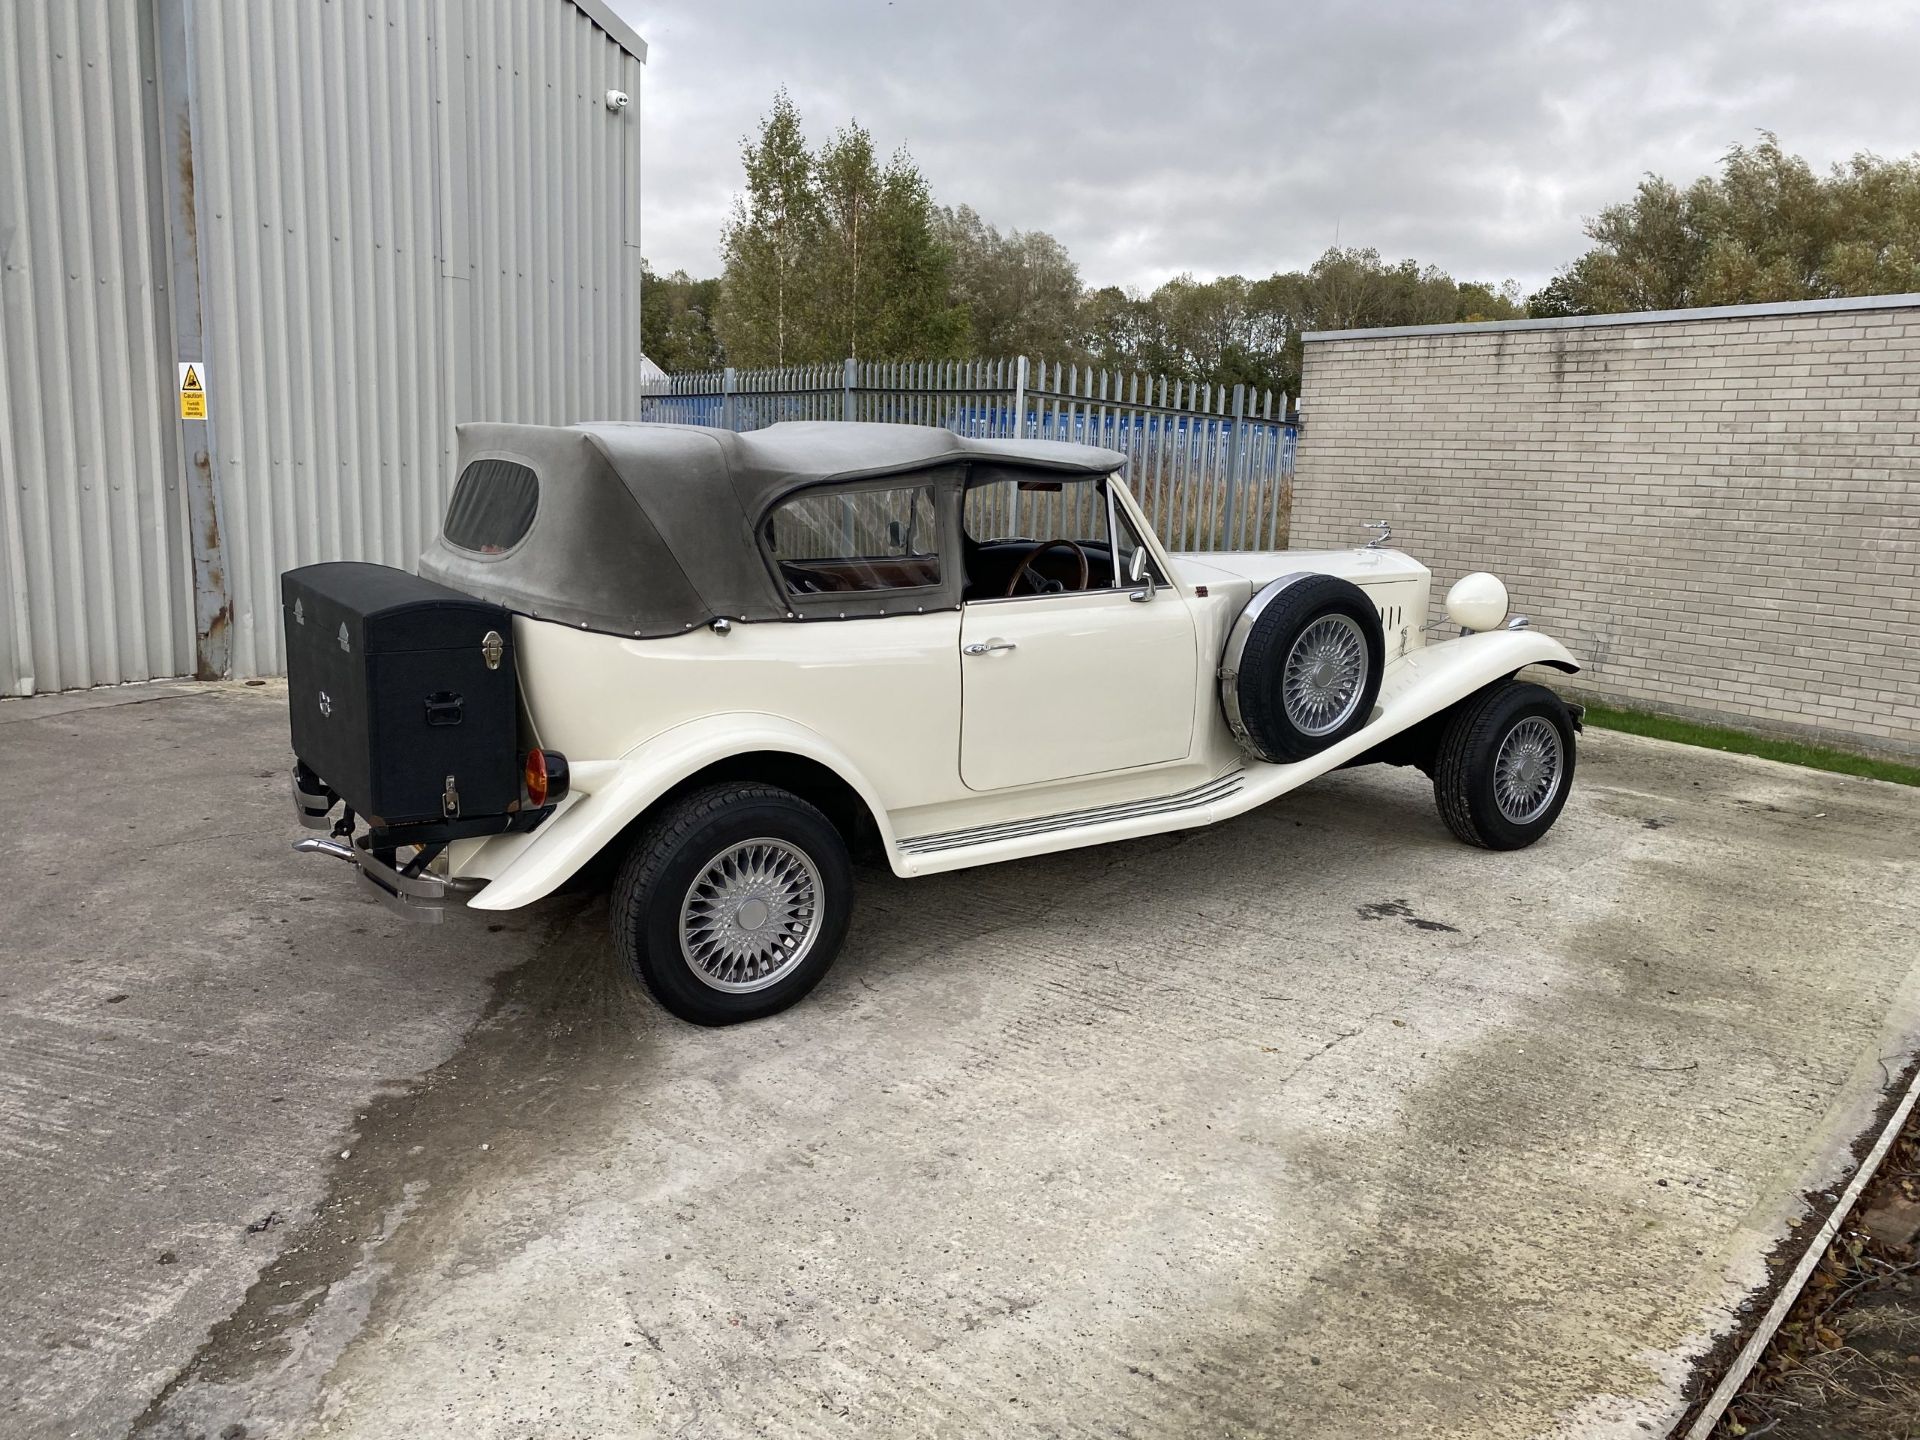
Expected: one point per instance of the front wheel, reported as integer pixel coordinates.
(1504, 766)
(733, 902)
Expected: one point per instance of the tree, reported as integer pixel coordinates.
(1767, 227)
(1237, 331)
(1115, 328)
(831, 255)
(770, 243)
(917, 316)
(1875, 248)
(850, 182)
(1020, 290)
(1558, 298)
(676, 321)
(1225, 331)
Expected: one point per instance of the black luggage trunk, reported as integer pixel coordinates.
(402, 693)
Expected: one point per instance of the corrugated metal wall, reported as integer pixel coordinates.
(94, 583)
(408, 213)
(322, 299)
(553, 179)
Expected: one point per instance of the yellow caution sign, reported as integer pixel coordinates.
(193, 390)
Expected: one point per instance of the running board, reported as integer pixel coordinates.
(1217, 789)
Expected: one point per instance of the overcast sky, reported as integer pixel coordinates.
(1222, 137)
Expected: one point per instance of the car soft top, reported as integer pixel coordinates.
(648, 530)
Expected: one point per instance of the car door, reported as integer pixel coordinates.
(1081, 682)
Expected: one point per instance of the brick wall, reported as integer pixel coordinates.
(1717, 511)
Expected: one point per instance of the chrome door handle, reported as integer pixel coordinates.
(987, 647)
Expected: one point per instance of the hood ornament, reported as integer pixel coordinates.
(1386, 533)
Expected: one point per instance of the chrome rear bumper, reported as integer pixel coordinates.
(423, 897)
(310, 807)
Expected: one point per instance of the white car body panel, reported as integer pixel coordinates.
(1104, 722)
(1068, 695)
(1412, 690)
(608, 797)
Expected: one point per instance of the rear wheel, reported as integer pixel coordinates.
(1504, 766)
(733, 903)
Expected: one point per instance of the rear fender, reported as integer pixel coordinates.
(610, 795)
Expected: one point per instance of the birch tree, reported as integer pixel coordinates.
(769, 244)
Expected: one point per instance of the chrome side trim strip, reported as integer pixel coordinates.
(1215, 789)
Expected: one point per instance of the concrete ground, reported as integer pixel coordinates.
(1315, 1123)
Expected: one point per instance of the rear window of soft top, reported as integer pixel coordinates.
(493, 506)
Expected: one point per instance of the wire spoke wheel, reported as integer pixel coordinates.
(1325, 674)
(1527, 770)
(751, 916)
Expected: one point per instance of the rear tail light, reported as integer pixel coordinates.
(546, 778)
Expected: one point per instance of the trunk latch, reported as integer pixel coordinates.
(450, 801)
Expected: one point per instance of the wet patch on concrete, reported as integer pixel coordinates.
(1400, 910)
(554, 1022)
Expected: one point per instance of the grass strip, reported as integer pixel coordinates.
(1739, 742)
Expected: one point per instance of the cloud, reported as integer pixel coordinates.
(1240, 137)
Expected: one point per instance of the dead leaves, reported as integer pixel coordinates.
(1817, 1362)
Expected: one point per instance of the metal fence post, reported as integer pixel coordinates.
(1236, 450)
(1020, 399)
(728, 383)
(849, 377)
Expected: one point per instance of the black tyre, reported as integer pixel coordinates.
(1504, 766)
(1302, 667)
(733, 902)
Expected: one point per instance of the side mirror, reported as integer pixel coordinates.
(1138, 574)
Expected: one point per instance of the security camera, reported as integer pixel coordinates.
(617, 100)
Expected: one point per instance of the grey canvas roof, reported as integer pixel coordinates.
(648, 530)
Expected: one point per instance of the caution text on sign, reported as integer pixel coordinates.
(193, 390)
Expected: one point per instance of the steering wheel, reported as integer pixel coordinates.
(1020, 570)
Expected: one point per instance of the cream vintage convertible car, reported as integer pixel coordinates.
(721, 662)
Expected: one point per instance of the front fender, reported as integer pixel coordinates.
(1417, 686)
(526, 867)
(1436, 675)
